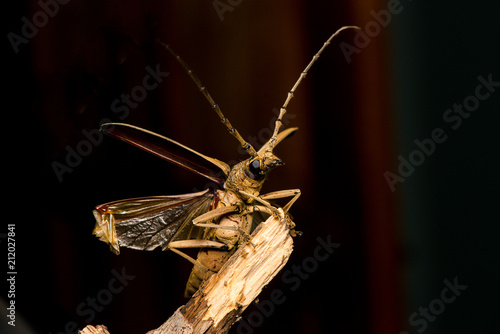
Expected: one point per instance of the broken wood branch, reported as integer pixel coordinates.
(222, 298)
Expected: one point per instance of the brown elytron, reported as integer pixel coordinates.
(216, 221)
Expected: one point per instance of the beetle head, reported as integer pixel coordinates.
(264, 161)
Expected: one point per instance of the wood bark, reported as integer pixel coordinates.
(99, 329)
(221, 299)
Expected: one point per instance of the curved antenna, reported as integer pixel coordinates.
(244, 144)
(272, 141)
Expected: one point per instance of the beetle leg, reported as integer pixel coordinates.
(283, 193)
(189, 258)
(200, 220)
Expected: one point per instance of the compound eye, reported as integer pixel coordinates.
(254, 167)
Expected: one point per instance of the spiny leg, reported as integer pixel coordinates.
(301, 77)
(244, 144)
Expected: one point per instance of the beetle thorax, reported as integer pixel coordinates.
(239, 180)
(249, 175)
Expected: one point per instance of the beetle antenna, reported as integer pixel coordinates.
(301, 77)
(244, 144)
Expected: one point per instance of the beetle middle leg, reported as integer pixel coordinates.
(219, 212)
(174, 245)
(201, 220)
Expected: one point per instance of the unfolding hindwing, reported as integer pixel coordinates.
(149, 222)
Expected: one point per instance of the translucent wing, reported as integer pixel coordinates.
(149, 222)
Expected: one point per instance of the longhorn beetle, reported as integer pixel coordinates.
(215, 220)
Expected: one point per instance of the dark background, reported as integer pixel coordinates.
(355, 117)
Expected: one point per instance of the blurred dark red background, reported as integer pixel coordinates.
(356, 115)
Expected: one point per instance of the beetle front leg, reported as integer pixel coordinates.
(282, 194)
(275, 195)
